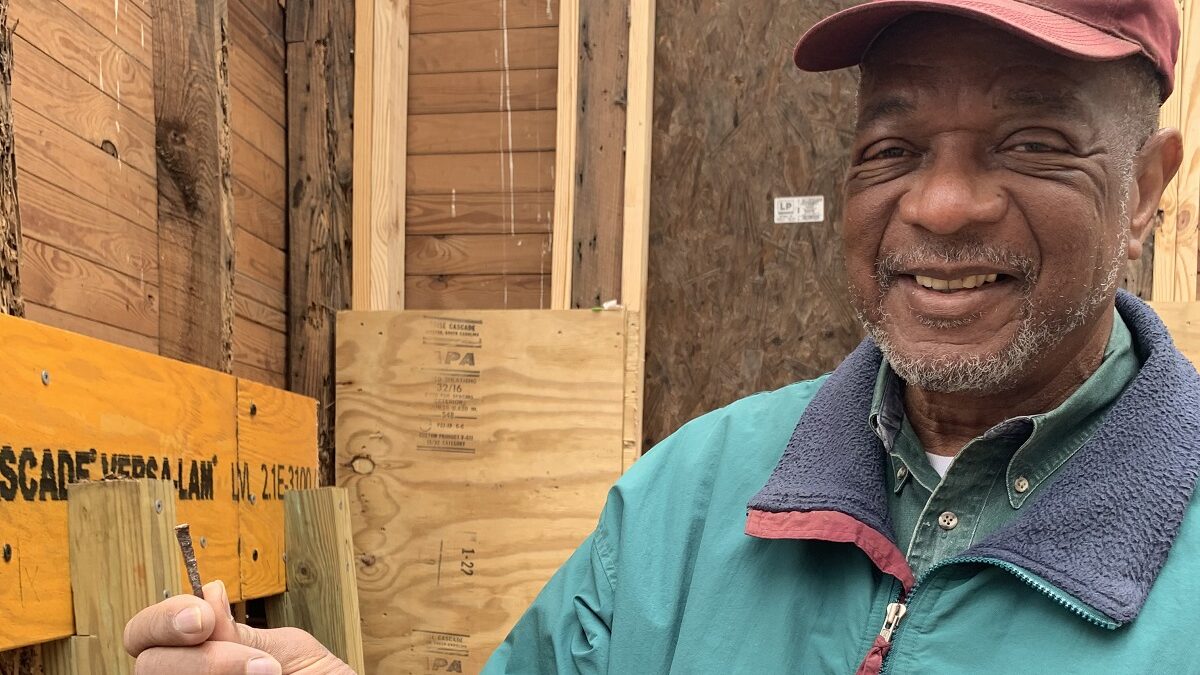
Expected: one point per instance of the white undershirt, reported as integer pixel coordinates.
(940, 463)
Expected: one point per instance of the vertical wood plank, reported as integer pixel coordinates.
(322, 583)
(76, 655)
(565, 149)
(380, 151)
(123, 558)
(11, 301)
(195, 192)
(321, 144)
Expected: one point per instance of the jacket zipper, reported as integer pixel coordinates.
(896, 610)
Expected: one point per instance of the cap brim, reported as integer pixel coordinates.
(841, 40)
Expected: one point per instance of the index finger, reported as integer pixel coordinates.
(181, 621)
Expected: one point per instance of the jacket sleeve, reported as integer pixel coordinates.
(567, 628)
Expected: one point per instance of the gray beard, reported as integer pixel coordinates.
(1038, 333)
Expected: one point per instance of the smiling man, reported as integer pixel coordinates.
(998, 480)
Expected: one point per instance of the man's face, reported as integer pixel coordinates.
(985, 222)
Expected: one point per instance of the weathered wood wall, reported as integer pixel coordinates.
(736, 303)
(481, 137)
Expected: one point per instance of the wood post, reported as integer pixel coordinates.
(195, 189)
(123, 558)
(10, 216)
(320, 41)
(76, 655)
(322, 595)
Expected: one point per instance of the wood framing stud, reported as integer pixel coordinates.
(564, 151)
(10, 216)
(195, 190)
(320, 42)
(322, 595)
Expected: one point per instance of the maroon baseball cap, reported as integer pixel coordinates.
(1095, 30)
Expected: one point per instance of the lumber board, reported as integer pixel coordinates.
(478, 254)
(445, 16)
(51, 153)
(269, 13)
(90, 327)
(105, 409)
(56, 30)
(321, 166)
(11, 299)
(249, 372)
(265, 86)
(127, 25)
(258, 172)
(598, 173)
(478, 291)
(71, 102)
(259, 346)
(69, 283)
(58, 218)
(1183, 321)
(322, 588)
(258, 216)
(195, 200)
(262, 44)
(256, 127)
(260, 261)
(510, 172)
(471, 51)
(253, 310)
(566, 147)
(516, 90)
(76, 655)
(481, 132)
(259, 292)
(382, 60)
(270, 419)
(477, 448)
(481, 213)
(117, 527)
(1175, 256)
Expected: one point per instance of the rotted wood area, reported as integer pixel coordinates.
(737, 303)
(10, 217)
(320, 41)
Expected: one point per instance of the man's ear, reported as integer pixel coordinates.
(1156, 164)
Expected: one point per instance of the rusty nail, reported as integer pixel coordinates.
(7, 553)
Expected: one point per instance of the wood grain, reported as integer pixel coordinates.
(443, 16)
(485, 213)
(253, 310)
(68, 283)
(1176, 254)
(259, 216)
(510, 172)
(195, 195)
(90, 328)
(269, 13)
(259, 292)
(126, 24)
(461, 518)
(246, 371)
(259, 346)
(258, 172)
(566, 146)
(64, 36)
(12, 302)
(71, 102)
(256, 127)
(478, 254)
(488, 91)
(764, 304)
(469, 51)
(265, 86)
(260, 261)
(478, 291)
(481, 132)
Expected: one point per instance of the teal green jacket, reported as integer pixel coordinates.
(715, 554)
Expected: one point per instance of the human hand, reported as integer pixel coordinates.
(186, 634)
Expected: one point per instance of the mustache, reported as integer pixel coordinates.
(892, 264)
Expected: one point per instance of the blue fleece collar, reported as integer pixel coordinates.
(1100, 531)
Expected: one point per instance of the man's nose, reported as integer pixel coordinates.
(952, 191)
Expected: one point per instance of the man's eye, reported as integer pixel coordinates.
(1033, 146)
(894, 152)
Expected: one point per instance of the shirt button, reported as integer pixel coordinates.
(948, 520)
(1021, 484)
(901, 473)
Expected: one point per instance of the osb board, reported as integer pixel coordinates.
(736, 303)
(277, 433)
(1183, 320)
(477, 447)
(100, 410)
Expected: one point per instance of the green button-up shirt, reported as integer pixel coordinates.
(995, 474)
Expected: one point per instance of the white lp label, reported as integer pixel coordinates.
(809, 209)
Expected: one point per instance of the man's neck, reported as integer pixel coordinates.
(947, 422)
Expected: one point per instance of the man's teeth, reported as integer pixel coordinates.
(974, 281)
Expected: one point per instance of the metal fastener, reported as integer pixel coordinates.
(254, 555)
(253, 499)
(158, 506)
(901, 474)
(7, 553)
(948, 520)
(166, 594)
(46, 377)
(203, 542)
(1021, 484)
(253, 409)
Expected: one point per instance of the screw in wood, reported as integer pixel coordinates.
(46, 377)
(184, 534)
(253, 499)
(253, 409)
(158, 506)
(7, 553)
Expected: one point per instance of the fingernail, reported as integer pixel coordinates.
(188, 620)
(263, 665)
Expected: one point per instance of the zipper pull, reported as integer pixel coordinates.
(895, 612)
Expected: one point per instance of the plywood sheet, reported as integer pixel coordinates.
(477, 447)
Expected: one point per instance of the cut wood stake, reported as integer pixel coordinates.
(184, 534)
